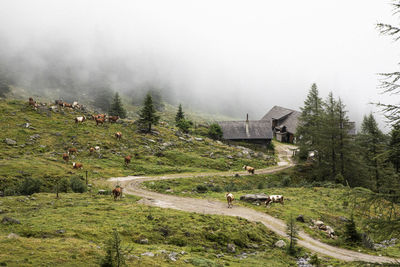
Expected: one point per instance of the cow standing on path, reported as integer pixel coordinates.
(229, 199)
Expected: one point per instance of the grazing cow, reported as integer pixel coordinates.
(117, 192)
(128, 160)
(91, 150)
(118, 135)
(249, 169)
(113, 118)
(65, 157)
(80, 119)
(72, 150)
(97, 148)
(229, 198)
(75, 104)
(59, 102)
(31, 102)
(77, 165)
(66, 105)
(99, 120)
(274, 199)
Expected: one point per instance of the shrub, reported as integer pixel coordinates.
(201, 188)
(215, 131)
(63, 185)
(115, 253)
(314, 260)
(260, 185)
(77, 185)
(30, 186)
(351, 234)
(286, 181)
(184, 125)
(177, 241)
(216, 189)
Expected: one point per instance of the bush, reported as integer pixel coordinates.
(216, 189)
(30, 186)
(285, 181)
(63, 185)
(351, 234)
(260, 185)
(201, 188)
(77, 185)
(184, 125)
(314, 260)
(177, 241)
(215, 131)
(115, 253)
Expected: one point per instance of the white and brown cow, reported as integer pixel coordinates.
(229, 199)
(274, 199)
(80, 119)
(249, 169)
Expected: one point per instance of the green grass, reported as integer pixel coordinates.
(318, 203)
(42, 157)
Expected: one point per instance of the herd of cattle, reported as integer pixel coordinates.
(101, 119)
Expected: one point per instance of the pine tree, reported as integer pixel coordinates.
(351, 234)
(179, 115)
(308, 131)
(373, 143)
(147, 115)
(292, 231)
(117, 108)
(394, 145)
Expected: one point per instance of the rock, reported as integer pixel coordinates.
(300, 218)
(219, 255)
(183, 252)
(10, 142)
(57, 134)
(144, 241)
(13, 236)
(280, 244)
(212, 155)
(181, 138)
(254, 197)
(26, 125)
(239, 155)
(229, 157)
(248, 157)
(2, 211)
(60, 231)
(231, 248)
(318, 223)
(150, 254)
(34, 137)
(343, 219)
(102, 192)
(303, 262)
(173, 256)
(323, 227)
(198, 139)
(219, 143)
(9, 220)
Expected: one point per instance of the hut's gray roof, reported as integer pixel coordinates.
(237, 130)
(286, 117)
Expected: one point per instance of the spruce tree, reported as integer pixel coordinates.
(179, 115)
(394, 145)
(117, 108)
(147, 115)
(292, 232)
(308, 130)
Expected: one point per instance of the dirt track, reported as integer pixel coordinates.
(131, 185)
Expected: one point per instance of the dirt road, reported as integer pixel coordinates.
(131, 185)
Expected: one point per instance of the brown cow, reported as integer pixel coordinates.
(65, 157)
(72, 150)
(117, 192)
(229, 198)
(99, 120)
(118, 135)
(249, 169)
(31, 102)
(113, 118)
(77, 165)
(91, 150)
(66, 105)
(128, 159)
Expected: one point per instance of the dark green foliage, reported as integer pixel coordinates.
(30, 186)
(179, 115)
(184, 125)
(215, 131)
(147, 115)
(292, 232)
(201, 188)
(314, 260)
(394, 145)
(351, 234)
(78, 185)
(115, 253)
(102, 98)
(63, 185)
(116, 108)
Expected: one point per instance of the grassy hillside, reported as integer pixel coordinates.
(333, 204)
(39, 148)
(74, 229)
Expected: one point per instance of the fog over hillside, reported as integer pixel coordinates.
(231, 57)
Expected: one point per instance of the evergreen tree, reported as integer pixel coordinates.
(117, 108)
(179, 115)
(308, 131)
(147, 115)
(351, 234)
(373, 143)
(215, 131)
(292, 232)
(394, 147)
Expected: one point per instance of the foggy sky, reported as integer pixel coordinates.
(237, 57)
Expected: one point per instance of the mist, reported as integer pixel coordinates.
(230, 57)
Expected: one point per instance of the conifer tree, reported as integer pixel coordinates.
(292, 232)
(394, 147)
(116, 108)
(147, 115)
(179, 115)
(308, 131)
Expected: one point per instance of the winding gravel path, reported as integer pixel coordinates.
(132, 186)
